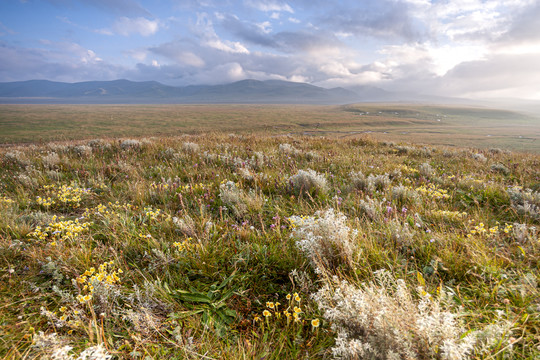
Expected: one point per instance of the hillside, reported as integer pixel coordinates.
(130, 92)
(276, 247)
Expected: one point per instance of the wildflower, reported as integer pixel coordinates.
(270, 305)
(267, 313)
(315, 323)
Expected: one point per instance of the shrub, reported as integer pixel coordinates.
(50, 346)
(82, 150)
(191, 147)
(98, 144)
(325, 239)
(15, 157)
(130, 144)
(403, 195)
(479, 157)
(308, 181)
(525, 201)
(51, 160)
(240, 201)
(382, 320)
(500, 168)
(426, 170)
(371, 183)
(288, 149)
(370, 208)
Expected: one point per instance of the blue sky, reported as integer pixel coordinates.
(467, 48)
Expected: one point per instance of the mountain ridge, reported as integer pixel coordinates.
(126, 91)
(248, 91)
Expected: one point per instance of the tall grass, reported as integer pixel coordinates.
(237, 247)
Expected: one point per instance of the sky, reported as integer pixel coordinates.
(465, 48)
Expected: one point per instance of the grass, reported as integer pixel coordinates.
(440, 125)
(166, 249)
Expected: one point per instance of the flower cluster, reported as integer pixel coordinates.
(292, 314)
(109, 210)
(4, 200)
(481, 230)
(184, 245)
(433, 191)
(105, 277)
(151, 213)
(63, 196)
(59, 230)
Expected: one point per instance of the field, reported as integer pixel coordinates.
(441, 125)
(261, 246)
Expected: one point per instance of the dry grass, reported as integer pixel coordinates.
(164, 249)
(451, 126)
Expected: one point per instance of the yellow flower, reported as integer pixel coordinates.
(297, 310)
(315, 323)
(267, 313)
(288, 297)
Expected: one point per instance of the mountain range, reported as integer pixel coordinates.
(152, 92)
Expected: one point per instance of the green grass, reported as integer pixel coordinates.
(458, 126)
(191, 271)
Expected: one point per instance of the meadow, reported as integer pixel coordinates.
(433, 125)
(242, 246)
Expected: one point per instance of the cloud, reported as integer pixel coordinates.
(523, 34)
(499, 75)
(4, 30)
(375, 18)
(284, 41)
(182, 52)
(269, 6)
(126, 26)
(62, 61)
(204, 29)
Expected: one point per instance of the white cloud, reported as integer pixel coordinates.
(189, 58)
(268, 6)
(205, 30)
(89, 57)
(137, 54)
(265, 27)
(127, 26)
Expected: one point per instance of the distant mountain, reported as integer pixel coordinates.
(125, 91)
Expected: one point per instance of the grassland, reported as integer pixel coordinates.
(264, 247)
(441, 125)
